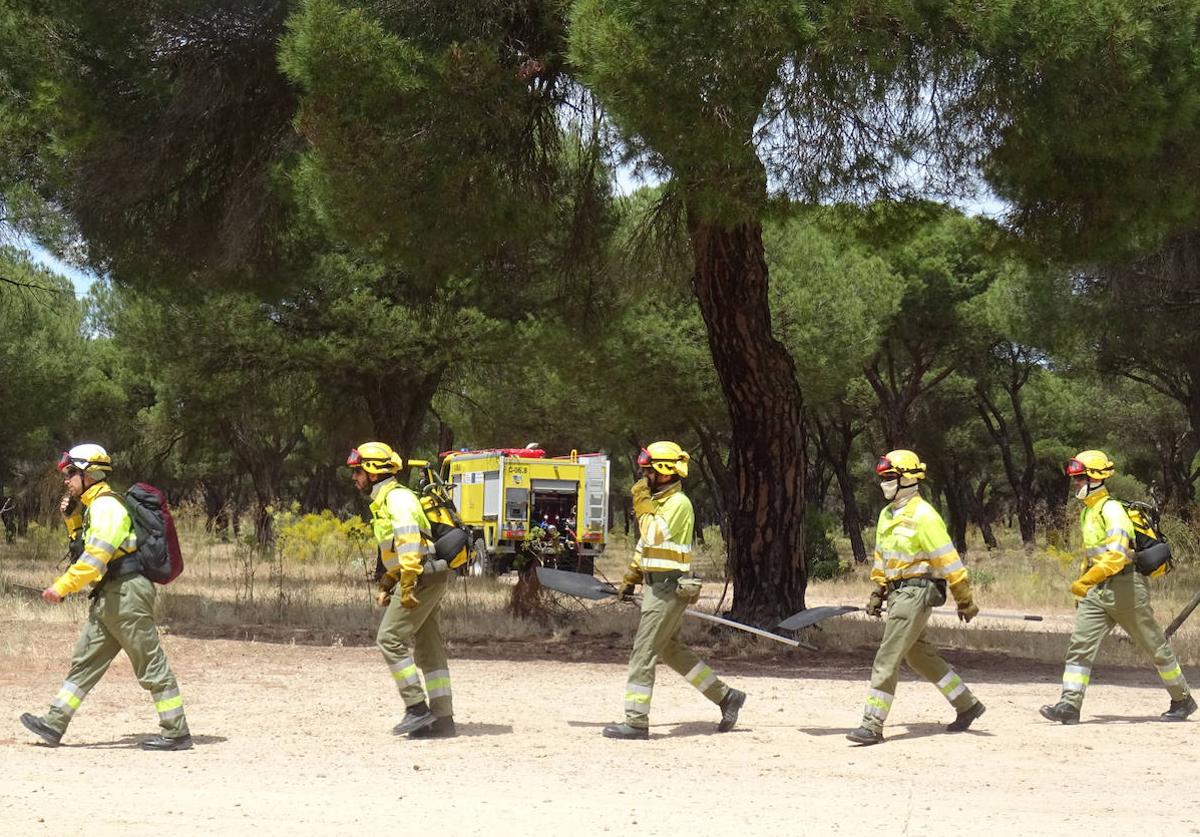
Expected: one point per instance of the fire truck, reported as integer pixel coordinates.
(505, 495)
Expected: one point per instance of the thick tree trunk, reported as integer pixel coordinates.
(767, 458)
(398, 404)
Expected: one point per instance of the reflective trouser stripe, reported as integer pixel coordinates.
(169, 704)
(951, 686)
(637, 698)
(437, 683)
(405, 672)
(68, 698)
(701, 676)
(1076, 678)
(1171, 674)
(878, 704)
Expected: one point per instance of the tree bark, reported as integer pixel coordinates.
(398, 403)
(765, 503)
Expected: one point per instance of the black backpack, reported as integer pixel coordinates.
(157, 541)
(1151, 552)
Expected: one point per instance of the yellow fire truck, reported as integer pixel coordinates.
(504, 494)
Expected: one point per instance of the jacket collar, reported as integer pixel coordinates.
(1096, 497)
(95, 491)
(379, 487)
(669, 490)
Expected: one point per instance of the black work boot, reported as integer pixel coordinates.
(415, 717)
(1180, 709)
(43, 731)
(963, 722)
(730, 705)
(162, 743)
(1062, 712)
(626, 732)
(440, 728)
(864, 736)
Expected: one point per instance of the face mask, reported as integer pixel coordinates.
(1084, 490)
(889, 488)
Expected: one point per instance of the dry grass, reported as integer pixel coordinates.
(235, 590)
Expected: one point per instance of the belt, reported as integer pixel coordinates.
(916, 581)
(658, 578)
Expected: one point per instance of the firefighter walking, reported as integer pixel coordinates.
(409, 635)
(121, 616)
(1110, 592)
(661, 560)
(914, 562)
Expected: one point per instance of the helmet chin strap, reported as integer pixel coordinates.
(1085, 490)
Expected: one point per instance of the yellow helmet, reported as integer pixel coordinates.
(1095, 464)
(665, 457)
(375, 458)
(88, 458)
(900, 463)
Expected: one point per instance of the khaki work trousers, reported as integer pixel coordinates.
(412, 639)
(658, 638)
(904, 639)
(121, 618)
(1121, 600)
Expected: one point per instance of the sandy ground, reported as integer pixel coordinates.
(296, 740)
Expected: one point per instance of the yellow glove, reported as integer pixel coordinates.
(642, 504)
(967, 609)
(1088, 580)
(633, 577)
(408, 587)
(875, 603)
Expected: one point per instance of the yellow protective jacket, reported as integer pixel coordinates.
(912, 542)
(1107, 536)
(107, 535)
(665, 536)
(401, 528)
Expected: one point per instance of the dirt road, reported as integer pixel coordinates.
(296, 740)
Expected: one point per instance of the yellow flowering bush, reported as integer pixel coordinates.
(319, 537)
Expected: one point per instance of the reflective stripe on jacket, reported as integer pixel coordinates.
(912, 542)
(665, 542)
(107, 534)
(400, 527)
(1107, 533)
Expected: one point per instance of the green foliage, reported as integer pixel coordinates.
(823, 561)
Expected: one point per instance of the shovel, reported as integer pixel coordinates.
(813, 615)
(593, 589)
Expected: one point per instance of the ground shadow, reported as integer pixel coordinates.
(473, 730)
(1121, 719)
(134, 741)
(911, 731)
(691, 729)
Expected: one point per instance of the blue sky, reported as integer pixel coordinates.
(81, 279)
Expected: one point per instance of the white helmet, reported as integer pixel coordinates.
(88, 458)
